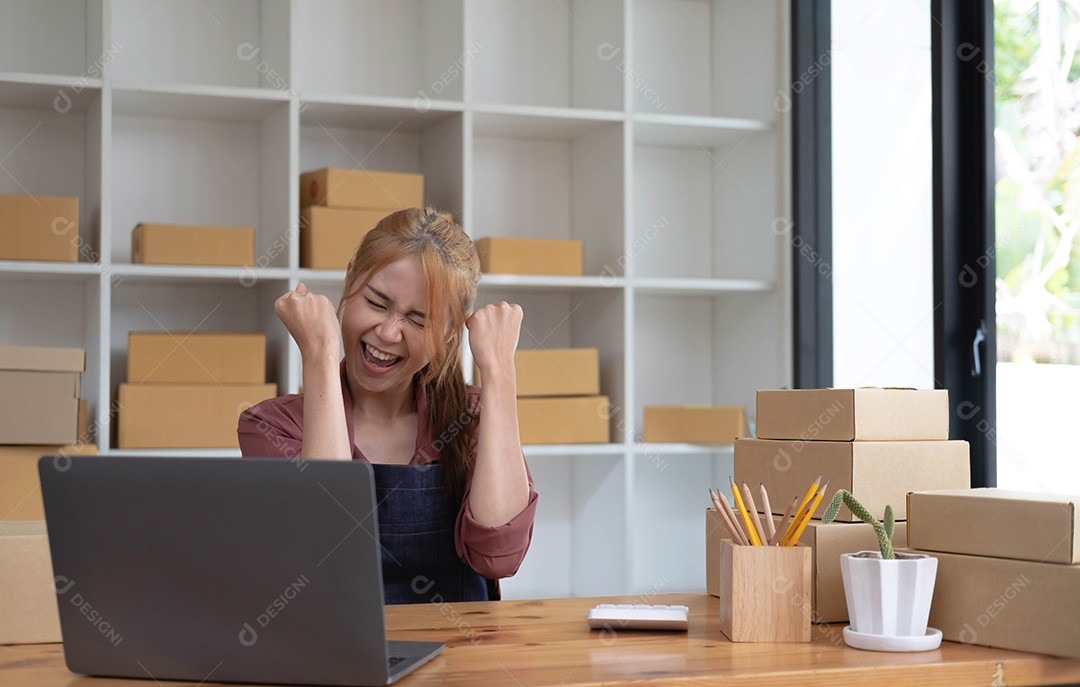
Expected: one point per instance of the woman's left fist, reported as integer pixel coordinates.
(493, 336)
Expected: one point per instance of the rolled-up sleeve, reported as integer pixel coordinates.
(495, 552)
(271, 430)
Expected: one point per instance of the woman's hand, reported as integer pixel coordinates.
(493, 337)
(312, 322)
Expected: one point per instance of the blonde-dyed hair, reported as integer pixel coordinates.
(451, 269)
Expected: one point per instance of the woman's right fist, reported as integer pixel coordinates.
(311, 320)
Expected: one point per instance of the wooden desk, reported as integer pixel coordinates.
(526, 643)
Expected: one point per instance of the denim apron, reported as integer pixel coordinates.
(416, 529)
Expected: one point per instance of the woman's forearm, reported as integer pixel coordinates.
(500, 485)
(325, 433)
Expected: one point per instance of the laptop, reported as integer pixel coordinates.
(221, 570)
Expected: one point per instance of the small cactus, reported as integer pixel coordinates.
(884, 531)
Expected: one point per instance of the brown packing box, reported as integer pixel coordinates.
(361, 189)
(191, 244)
(28, 601)
(572, 420)
(996, 522)
(1007, 604)
(196, 358)
(827, 541)
(39, 394)
(695, 424)
(20, 486)
(556, 372)
(879, 473)
(531, 256)
(329, 236)
(853, 414)
(185, 415)
(39, 228)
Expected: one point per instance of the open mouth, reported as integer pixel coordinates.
(377, 358)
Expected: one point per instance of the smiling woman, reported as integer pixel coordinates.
(456, 503)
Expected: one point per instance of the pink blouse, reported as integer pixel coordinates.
(275, 429)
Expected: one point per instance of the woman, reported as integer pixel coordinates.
(456, 503)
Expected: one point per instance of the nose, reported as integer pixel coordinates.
(389, 330)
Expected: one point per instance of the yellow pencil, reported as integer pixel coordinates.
(745, 515)
(799, 511)
(809, 514)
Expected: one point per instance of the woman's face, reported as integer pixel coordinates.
(383, 328)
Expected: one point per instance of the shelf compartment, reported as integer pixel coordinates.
(696, 74)
(57, 37)
(676, 339)
(47, 92)
(53, 151)
(404, 49)
(388, 140)
(670, 498)
(242, 43)
(534, 52)
(707, 212)
(578, 319)
(214, 160)
(566, 185)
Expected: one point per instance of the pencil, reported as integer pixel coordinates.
(725, 517)
(799, 511)
(771, 527)
(745, 516)
(808, 516)
(754, 517)
(781, 528)
(745, 540)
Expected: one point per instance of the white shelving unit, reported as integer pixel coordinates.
(643, 127)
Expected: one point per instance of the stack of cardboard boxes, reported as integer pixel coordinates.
(558, 396)
(39, 228)
(878, 444)
(187, 390)
(1008, 566)
(40, 414)
(339, 206)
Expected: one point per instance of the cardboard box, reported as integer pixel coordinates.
(39, 228)
(1026, 526)
(572, 420)
(361, 189)
(196, 358)
(191, 244)
(39, 394)
(531, 256)
(185, 415)
(765, 593)
(555, 372)
(879, 473)
(1007, 604)
(826, 541)
(853, 414)
(20, 486)
(329, 236)
(695, 424)
(28, 606)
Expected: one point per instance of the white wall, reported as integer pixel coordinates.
(882, 194)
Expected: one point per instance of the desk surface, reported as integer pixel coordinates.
(546, 642)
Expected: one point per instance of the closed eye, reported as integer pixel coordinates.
(375, 305)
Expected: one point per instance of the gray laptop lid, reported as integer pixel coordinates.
(253, 570)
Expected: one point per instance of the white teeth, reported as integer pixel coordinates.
(376, 353)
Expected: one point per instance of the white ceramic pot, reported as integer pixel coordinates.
(888, 598)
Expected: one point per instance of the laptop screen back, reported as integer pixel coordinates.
(217, 569)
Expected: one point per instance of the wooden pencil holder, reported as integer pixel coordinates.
(765, 593)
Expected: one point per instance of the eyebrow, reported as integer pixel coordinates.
(390, 300)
